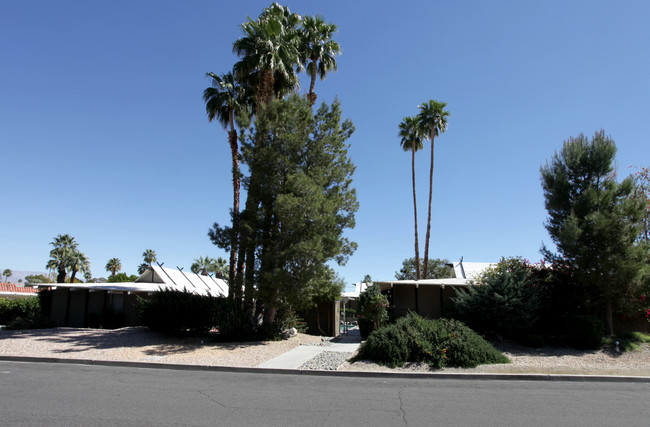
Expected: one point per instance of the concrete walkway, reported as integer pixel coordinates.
(293, 359)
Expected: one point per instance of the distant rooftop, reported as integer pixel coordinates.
(155, 279)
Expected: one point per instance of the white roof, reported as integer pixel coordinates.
(464, 272)
(358, 288)
(426, 282)
(155, 279)
(470, 270)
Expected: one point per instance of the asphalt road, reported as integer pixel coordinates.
(65, 394)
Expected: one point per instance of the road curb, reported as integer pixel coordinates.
(357, 374)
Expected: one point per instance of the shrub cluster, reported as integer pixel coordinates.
(438, 343)
(23, 313)
(373, 310)
(584, 332)
(183, 312)
(504, 300)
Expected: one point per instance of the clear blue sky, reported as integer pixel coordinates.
(103, 133)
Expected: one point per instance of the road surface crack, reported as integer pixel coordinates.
(401, 405)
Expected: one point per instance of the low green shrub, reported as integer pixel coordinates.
(291, 319)
(628, 341)
(438, 343)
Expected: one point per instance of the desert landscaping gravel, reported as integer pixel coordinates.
(326, 361)
(140, 344)
(546, 360)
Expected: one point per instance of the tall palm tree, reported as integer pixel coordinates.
(64, 245)
(78, 262)
(433, 120)
(203, 265)
(7, 273)
(220, 268)
(269, 51)
(225, 99)
(317, 50)
(411, 140)
(113, 265)
(149, 256)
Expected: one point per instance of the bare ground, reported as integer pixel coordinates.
(140, 344)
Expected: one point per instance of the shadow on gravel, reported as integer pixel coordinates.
(77, 340)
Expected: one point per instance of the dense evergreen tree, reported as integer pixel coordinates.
(301, 175)
(594, 222)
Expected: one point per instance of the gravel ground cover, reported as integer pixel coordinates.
(140, 344)
(546, 360)
(326, 361)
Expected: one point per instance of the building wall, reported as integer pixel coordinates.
(427, 298)
(80, 308)
(403, 299)
(329, 317)
(77, 308)
(96, 304)
(59, 306)
(129, 313)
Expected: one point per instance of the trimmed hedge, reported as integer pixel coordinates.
(438, 343)
(183, 312)
(23, 313)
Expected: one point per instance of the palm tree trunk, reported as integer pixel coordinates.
(233, 291)
(426, 242)
(415, 214)
(311, 95)
(265, 89)
(60, 277)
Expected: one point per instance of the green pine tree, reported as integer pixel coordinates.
(594, 221)
(302, 180)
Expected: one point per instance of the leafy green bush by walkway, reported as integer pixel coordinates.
(438, 343)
